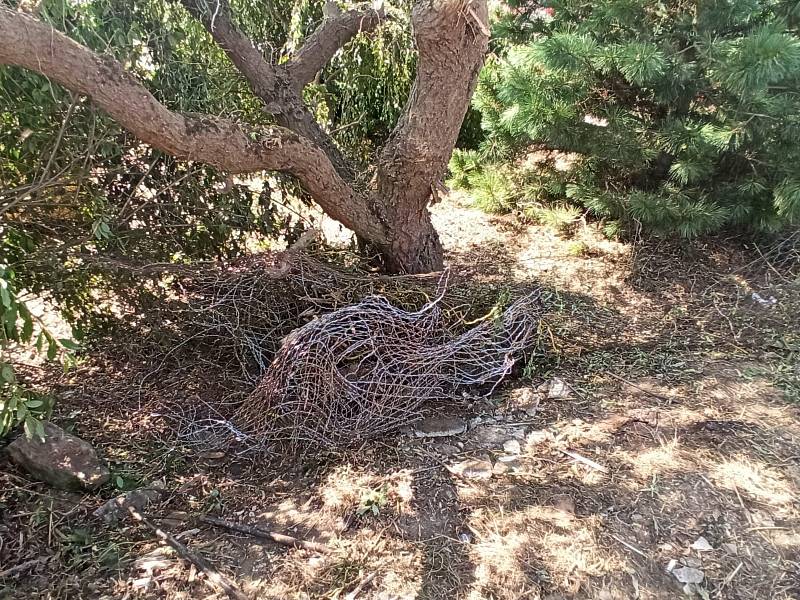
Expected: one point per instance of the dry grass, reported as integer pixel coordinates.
(680, 387)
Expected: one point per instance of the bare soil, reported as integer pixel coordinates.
(670, 441)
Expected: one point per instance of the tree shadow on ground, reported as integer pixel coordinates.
(678, 430)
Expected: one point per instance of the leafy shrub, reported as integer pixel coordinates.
(683, 121)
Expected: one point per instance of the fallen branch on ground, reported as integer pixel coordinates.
(22, 567)
(279, 538)
(213, 577)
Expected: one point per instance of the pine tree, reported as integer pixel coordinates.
(679, 116)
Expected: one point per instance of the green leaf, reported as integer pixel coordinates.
(39, 430)
(52, 349)
(34, 403)
(69, 344)
(5, 297)
(119, 482)
(7, 373)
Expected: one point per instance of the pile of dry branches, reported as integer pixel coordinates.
(370, 368)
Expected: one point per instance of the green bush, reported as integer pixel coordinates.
(678, 118)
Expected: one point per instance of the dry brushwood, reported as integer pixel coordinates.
(243, 312)
(370, 368)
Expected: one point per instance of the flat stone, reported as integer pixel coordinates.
(62, 460)
(558, 389)
(116, 508)
(437, 426)
(512, 447)
(688, 575)
(474, 468)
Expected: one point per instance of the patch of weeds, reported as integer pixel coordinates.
(124, 478)
(213, 502)
(784, 373)
(578, 248)
(341, 576)
(373, 502)
(80, 549)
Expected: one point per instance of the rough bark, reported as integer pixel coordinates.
(393, 217)
(29, 43)
(452, 38)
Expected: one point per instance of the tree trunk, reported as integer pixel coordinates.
(414, 245)
(391, 215)
(452, 37)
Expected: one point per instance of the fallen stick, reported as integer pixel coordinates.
(22, 567)
(213, 577)
(586, 461)
(641, 389)
(364, 582)
(279, 538)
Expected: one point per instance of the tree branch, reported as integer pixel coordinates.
(452, 38)
(333, 33)
(271, 83)
(215, 15)
(221, 143)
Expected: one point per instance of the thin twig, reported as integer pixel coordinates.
(22, 567)
(279, 538)
(629, 546)
(641, 389)
(213, 577)
(362, 584)
(586, 461)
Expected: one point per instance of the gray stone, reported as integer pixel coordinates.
(116, 508)
(512, 447)
(474, 468)
(689, 575)
(61, 460)
(437, 426)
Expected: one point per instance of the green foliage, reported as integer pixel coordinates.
(19, 405)
(77, 193)
(675, 119)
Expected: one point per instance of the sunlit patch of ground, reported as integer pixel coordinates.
(676, 444)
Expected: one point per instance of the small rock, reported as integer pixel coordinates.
(525, 400)
(564, 503)
(62, 460)
(512, 447)
(437, 426)
(500, 468)
(688, 575)
(557, 389)
(732, 549)
(116, 508)
(474, 468)
(464, 537)
(671, 565)
(701, 544)
(691, 561)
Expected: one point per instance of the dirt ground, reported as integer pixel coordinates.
(656, 437)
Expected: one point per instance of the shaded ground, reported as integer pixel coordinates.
(677, 421)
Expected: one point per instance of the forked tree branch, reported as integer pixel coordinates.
(333, 33)
(29, 43)
(215, 15)
(271, 83)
